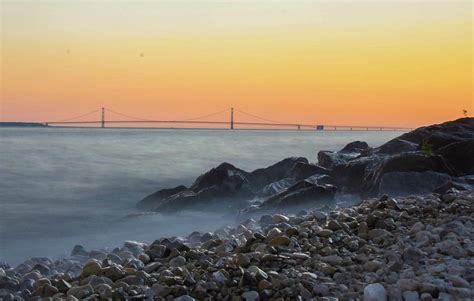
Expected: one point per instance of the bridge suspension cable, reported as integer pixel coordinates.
(77, 117)
(258, 117)
(147, 119)
(208, 115)
(128, 116)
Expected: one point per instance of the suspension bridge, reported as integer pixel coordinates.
(203, 122)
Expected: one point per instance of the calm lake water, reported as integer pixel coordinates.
(61, 187)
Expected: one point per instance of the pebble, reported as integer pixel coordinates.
(250, 296)
(375, 292)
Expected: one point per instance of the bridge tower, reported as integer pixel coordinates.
(231, 118)
(102, 123)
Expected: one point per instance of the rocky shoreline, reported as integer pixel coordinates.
(410, 239)
(409, 248)
(429, 159)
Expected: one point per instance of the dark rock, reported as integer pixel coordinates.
(437, 136)
(351, 175)
(459, 155)
(396, 146)
(303, 170)
(276, 187)
(224, 183)
(301, 193)
(79, 250)
(411, 182)
(355, 147)
(280, 170)
(42, 268)
(414, 162)
(151, 201)
(225, 176)
(353, 150)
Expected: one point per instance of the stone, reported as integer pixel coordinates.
(92, 267)
(274, 232)
(301, 256)
(251, 296)
(242, 260)
(372, 265)
(325, 233)
(407, 284)
(333, 225)
(320, 289)
(178, 261)
(375, 292)
(426, 297)
(412, 255)
(80, 292)
(411, 296)
(104, 290)
(378, 233)
(280, 218)
(79, 250)
(264, 284)
(257, 272)
(332, 259)
(457, 281)
(161, 290)
(280, 241)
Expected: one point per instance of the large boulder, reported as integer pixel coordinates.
(446, 148)
(153, 200)
(227, 185)
(434, 136)
(459, 155)
(221, 186)
(303, 192)
(405, 162)
(411, 183)
(353, 150)
(226, 178)
(280, 170)
(355, 147)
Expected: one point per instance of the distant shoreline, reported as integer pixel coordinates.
(22, 124)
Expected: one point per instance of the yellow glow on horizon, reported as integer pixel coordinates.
(396, 63)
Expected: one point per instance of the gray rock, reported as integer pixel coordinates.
(178, 261)
(457, 281)
(79, 250)
(375, 292)
(251, 296)
(411, 296)
(80, 292)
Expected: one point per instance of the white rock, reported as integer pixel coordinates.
(280, 218)
(375, 292)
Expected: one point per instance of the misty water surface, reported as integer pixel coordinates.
(61, 187)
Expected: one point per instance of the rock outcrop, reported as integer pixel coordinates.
(229, 187)
(422, 161)
(410, 164)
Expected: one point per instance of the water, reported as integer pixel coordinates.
(61, 187)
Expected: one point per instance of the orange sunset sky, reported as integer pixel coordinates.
(404, 63)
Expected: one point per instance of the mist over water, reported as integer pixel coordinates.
(61, 187)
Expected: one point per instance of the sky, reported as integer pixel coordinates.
(399, 63)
